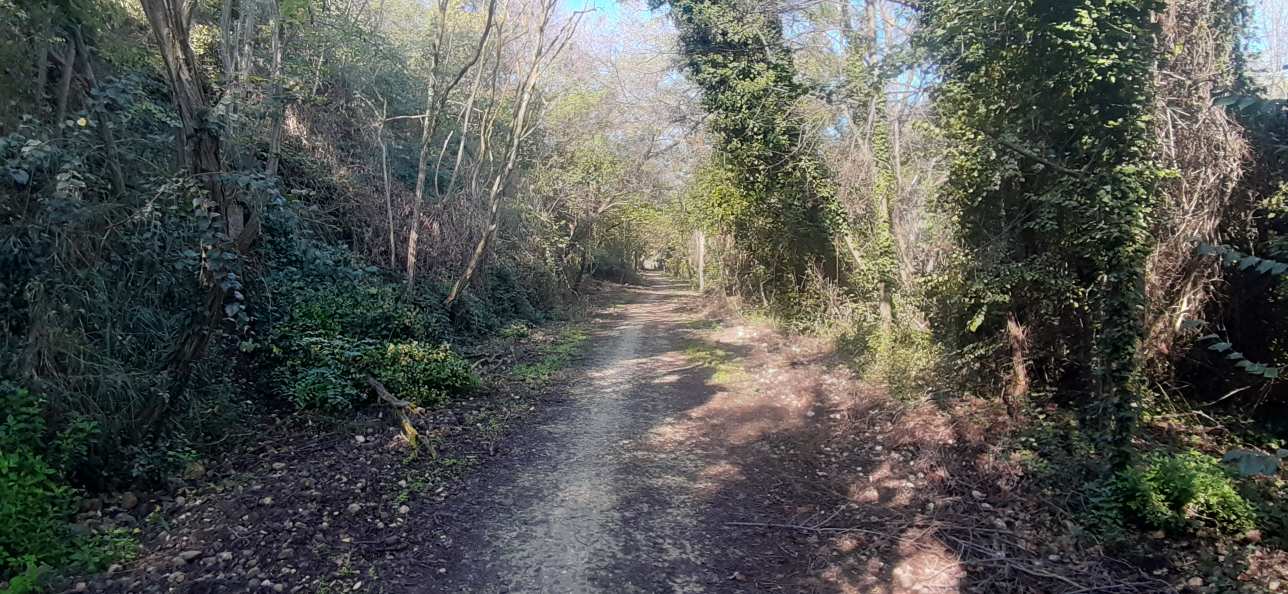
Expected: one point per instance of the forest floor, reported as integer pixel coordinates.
(679, 453)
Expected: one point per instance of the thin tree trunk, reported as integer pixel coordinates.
(279, 104)
(518, 131)
(384, 170)
(65, 81)
(110, 155)
(701, 239)
(42, 59)
(435, 100)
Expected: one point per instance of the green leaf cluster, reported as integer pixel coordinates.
(1182, 492)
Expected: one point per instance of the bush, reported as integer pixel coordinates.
(326, 389)
(361, 311)
(1181, 492)
(35, 502)
(420, 374)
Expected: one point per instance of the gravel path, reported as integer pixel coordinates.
(594, 497)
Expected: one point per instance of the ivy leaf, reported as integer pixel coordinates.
(1247, 262)
(976, 321)
(20, 176)
(1270, 373)
(1220, 347)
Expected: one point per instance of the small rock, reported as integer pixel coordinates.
(188, 556)
(225, 556)
(124, 519)
(354, 508)
(1195, 582)
(81, 587)
(266, 501)
(279, 587)
(194, 471)
(129, 500)
(976, 494)
(359, 439)
(279, 466)
(266, 583)
(180, 501)
(1274, 585)
(1158, 535)
(115, 567)
(177, 577)
(1252, 535)
(1251, 463)
(402, 509)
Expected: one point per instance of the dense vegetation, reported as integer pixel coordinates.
(217, 210)
(1069, 208)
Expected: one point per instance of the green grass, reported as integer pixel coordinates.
(555, 357)
(722, 363)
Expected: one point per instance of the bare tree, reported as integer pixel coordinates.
(543, 54)
(435, 100)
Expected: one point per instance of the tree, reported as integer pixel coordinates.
(199, 147)
(1054, 218)
(734, 52)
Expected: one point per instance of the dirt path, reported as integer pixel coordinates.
(591, 496)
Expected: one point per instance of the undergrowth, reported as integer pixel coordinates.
(553, 357)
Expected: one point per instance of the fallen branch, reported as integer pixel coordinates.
(404, 409)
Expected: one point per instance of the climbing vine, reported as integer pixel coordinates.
(735, 53)
(1052, 182)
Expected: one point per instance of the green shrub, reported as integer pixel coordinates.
(35, 502)
(418, 373)
(361, 311)
(321, 374)
(1181, 492)
(325, 389)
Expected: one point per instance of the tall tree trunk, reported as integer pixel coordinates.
(42, 58)
(171, 23)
